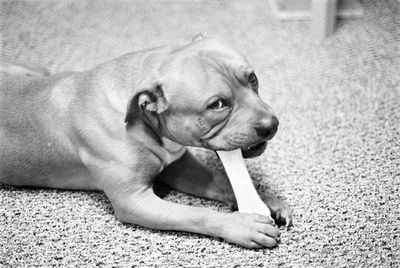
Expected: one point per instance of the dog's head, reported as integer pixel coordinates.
(205, 94)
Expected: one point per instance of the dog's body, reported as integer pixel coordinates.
(126, 123)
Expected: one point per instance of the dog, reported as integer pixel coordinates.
(126, 124)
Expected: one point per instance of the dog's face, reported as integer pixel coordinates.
(207, 96)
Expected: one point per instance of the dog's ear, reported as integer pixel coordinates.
(199, 37)
(149, 99)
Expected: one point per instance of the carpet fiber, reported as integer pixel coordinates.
(335, 158)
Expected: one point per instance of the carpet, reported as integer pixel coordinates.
(335, 158)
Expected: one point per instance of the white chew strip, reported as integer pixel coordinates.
(247, 198)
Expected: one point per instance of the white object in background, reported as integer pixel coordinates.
(247, 198)
(301, 9)
(323, 17)
(323, 13)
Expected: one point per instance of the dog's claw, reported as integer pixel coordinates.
(289, 222)
(280, 211)
(278, 215)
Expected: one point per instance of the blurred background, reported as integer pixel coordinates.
(335, 158)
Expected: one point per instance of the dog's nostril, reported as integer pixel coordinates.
(263, 132)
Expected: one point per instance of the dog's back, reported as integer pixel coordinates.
(22, 70)
(27, 147)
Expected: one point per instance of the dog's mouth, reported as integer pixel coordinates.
(254, 150)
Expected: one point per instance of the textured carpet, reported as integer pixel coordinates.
(335, 158)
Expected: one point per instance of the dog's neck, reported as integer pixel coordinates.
(171, 146)
(165, 149)
(170, 151)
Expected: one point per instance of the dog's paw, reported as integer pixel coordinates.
(280, 210)
(249, 230)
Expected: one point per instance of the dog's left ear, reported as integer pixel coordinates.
(149, 99)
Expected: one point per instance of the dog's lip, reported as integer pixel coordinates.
(254, 150)
(256, 146)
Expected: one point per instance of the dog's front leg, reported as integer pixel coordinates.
(134, 201)
(143, 207)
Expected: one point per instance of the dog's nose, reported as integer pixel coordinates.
(268, 129)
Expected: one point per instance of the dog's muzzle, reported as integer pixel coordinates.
(264, 131)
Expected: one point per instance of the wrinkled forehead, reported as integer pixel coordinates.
(192, 80)
(206, 65)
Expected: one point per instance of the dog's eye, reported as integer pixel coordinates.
(217, 105)
(253, 81)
